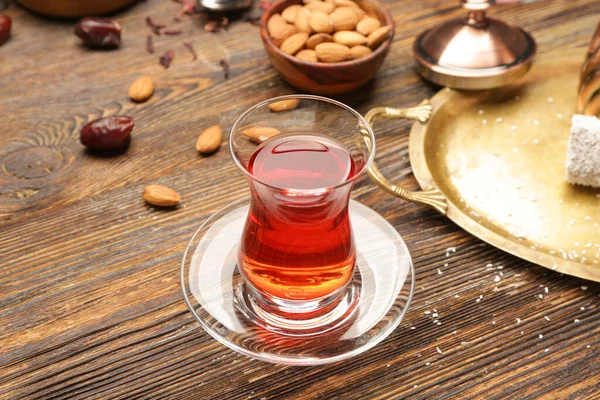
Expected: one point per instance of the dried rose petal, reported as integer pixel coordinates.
(166, 59)
(155, 28)
(187, 7)
(191, 50)
(172, 31)
(225, 65)
(149, 44)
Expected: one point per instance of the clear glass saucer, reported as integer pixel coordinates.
(374, 302)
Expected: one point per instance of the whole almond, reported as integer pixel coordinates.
(141, 89)
(367, 25)
(345, 3)
(320, 22)
(359, 12)
(349, 38)
(307, 55)
(368, 8)
(378, 36)
(259, 134)
(332, 52)
(317, 38)
(289, 14)
(327, 8)
(302, 21)
(294, 43)
(209, 140)
(284, 105)
(344, 19)
(279, 30)
(360, 51)
(161, 196)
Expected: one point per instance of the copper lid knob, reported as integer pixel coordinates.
(474, 52)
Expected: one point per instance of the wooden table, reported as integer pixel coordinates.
(90, 302)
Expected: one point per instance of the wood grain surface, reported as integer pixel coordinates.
(90, 303)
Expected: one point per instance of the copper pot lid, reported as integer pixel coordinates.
(474, 52)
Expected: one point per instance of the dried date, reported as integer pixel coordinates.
(99, 33)
(110, 133)
(5, 24)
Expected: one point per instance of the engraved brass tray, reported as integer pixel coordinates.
(494, 162)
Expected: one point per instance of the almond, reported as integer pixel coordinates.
(378, 36)
(259, 134)
(345, 3)
(302, 21)
(344, 19)
(294, 43)
(360, 51)
(360, 14)
(332, 52)
(349, 38)
(209, 140)
(289, 14)
(367, 25)
(315, 39)
(284, 105)
(279, 30)
(327, 8)
(320, 22)
(161, 196)
(141, 89)
(307, 55)
(368, 8)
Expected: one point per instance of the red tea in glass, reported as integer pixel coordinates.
(297, 243)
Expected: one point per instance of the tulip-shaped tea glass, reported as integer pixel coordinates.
(297, 273)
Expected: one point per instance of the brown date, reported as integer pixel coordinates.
(5, 24)
(99, 33)
(110, 133)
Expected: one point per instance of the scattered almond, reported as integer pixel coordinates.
(279, 30)
(259, 134)
(349, 38)
(142, 89)
(343, 19)
(307, 55)
(327, 8)
(315, 39)
(378, 36)
(301, 22)
(284, 105)
(367, 25)
(320, 22)
(289, 14)
(209, 140)
(294, 43)
(161, 196)
(332, 52)
(360, 51)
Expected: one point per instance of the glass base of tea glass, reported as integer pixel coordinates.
(360, 316)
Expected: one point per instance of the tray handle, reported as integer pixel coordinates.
(432, 197)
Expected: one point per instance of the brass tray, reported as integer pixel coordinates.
(494, 163)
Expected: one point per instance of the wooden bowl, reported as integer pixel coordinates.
(74, 8)
(325, 78)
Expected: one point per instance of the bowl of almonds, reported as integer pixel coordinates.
(327, 46)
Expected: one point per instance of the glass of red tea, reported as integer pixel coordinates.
(301, 155)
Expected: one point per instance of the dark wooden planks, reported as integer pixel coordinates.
(90, 304)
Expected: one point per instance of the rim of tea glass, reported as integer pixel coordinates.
(274, 359)
(307, 97)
